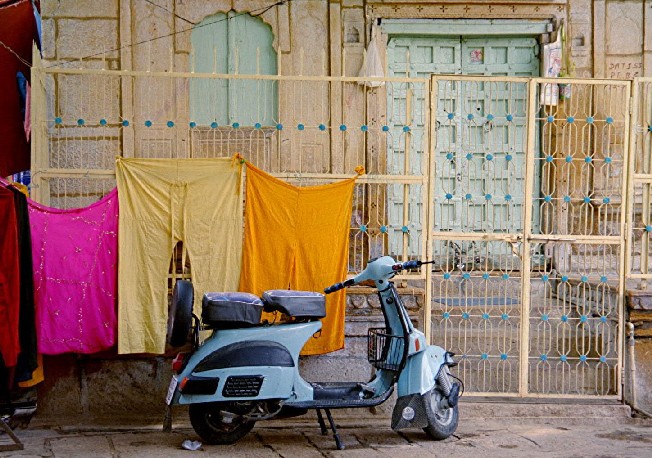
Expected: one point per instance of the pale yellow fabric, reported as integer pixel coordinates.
(298, 238)
(163, 201)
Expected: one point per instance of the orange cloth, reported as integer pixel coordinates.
(298, 238)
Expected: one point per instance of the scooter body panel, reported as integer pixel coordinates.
(279, 381)
(420, 371)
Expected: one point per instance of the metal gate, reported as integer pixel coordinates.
(521, 202)
(530, 309)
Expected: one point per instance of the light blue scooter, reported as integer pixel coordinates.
(248, 371)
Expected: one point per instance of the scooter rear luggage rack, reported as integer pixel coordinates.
(385, 351)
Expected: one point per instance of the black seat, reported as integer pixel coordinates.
(231, 310)
(303, 305)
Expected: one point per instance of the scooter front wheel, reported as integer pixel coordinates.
(442, 423)
(218, 423)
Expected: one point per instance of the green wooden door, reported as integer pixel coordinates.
(480, 129)
(233, 44)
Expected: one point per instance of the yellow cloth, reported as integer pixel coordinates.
(163, 201)
(298, 238)
(37, 375)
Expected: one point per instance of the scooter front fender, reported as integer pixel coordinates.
(420, 371)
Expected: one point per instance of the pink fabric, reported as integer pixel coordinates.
(75, 270)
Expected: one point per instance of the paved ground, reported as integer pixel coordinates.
(368, 438)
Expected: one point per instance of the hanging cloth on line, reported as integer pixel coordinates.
(75, 263)
(9, 280)
(298, 238)
(162, 202)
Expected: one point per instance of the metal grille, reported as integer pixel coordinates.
(385, 351)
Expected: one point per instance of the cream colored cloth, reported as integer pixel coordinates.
(163, 201)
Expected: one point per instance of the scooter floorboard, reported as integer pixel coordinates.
(340, 395)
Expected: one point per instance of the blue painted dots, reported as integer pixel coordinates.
(545, 278)
(447, 276)
(588, 159)
(585, 279)
(508, 157)
(508, 197)
(213, 125)
(279, 126)
(551, 119)
(469, 116)
(487, 196)
(544, 317)
(342, 127)
(258, 125)
(543, 357)
(587, 200)
(563, 358)
(564, 318)
(606, 200)
(484, 356)
(449, 156)
(570, 120)
(171, 123)
(383, 229)
(449, 196)
(405, 229)
(364, 128)
(584, 319)
(503, 356)
(468, 197)
(385, 129)
(603, 319)
(485, 316)
(509, 117)
(549, 158)
(80, 122)
(125, 123)
(102, 122)
(465, 316)
(363, 228)
(446, 315)
(648, 228)
(567, 199)
(608, 160)
(603, 279)
(564, 278)
(505, 276)
(583, 358)
(235, 125)
(192, 124)
(568, 159)
(490, 117)
(322, 127)
(504, 317)
(485, 276)
(603, 359)
(548, 198)
(450, 116)
(649, 128)
(466, 276)
(590, 120)
(406, 128)
(300, 127)
(148, 123)
(609, 120)
(58, 120)
(490, 157)
(469, 156)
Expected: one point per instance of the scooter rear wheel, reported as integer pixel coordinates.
(218, 423)
(442, 423)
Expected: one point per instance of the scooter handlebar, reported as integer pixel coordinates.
(339, 286)
(407, 265)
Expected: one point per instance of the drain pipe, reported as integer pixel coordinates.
(632, 370)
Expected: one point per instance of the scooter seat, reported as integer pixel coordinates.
(231, 310)
(306, 305)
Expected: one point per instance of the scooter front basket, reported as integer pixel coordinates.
(385, 351)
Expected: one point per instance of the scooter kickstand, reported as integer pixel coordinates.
(338, 442)
(322, 425)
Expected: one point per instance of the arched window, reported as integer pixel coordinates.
(233, 43)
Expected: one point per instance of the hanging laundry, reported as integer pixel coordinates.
(75, 264)
(298, 238)
(9, 280)
(17, 30)
(162, 202)
(27, 362)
